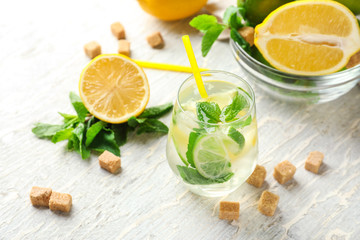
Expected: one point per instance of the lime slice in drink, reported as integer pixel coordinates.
(181, 129)
(210, 156)
(180, 138)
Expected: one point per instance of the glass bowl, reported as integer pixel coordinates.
(295, 88)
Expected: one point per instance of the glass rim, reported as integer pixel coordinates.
(251, 94)
(291, 75)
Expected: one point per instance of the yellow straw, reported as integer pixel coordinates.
(194, 66)
(165, 66)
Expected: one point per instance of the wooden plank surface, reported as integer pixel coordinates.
(42, 58)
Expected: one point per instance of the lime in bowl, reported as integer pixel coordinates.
(213, 142)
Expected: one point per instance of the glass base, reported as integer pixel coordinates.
(207, 191)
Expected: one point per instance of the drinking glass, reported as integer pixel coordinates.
(213, 158)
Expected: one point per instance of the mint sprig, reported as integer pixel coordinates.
(233, 19)
(85, 133)
(208, 25)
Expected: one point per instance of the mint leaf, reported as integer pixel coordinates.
(240, 40)
(235, 20)
(134, 121)
(234, 17)
(208, 112)
(156, 112)
(237, 137)
(192, 176)
(228, 13)
(242, 12)
(190, 152)
(203, 22)
(105, 140)
(44, 130)
(210, 37)
(241, 124)
(62, 135)
(79, 141)
(120, 131)
(152, 125)
(78, 106)
(69, 119)
(230, 111)
(70, 144)
(93, 131)
(75, 143)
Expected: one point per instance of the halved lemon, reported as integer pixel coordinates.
(114, 88)
(309, 37)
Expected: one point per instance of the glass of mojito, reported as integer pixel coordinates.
(212, 143)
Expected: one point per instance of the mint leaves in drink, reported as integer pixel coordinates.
(233, 19)
(237, 104)
(85, 133)
(208, 112)
(192, 176)
(237, 137)
(206, 156)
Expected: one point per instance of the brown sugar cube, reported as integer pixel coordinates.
(257, 177)
(124, 47)
(109, 161)
(248, 34)
(229, 210)
(354, 60)
(40, 196)
(92, 49)
(268, 203)
(60, 202)
(118, 30)
(284, 171)
(155, 40)
(314, 161)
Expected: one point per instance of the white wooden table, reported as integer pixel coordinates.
(41, 60)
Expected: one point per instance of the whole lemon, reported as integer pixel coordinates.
(169, 10)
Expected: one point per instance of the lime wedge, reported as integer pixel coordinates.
(210, 156)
